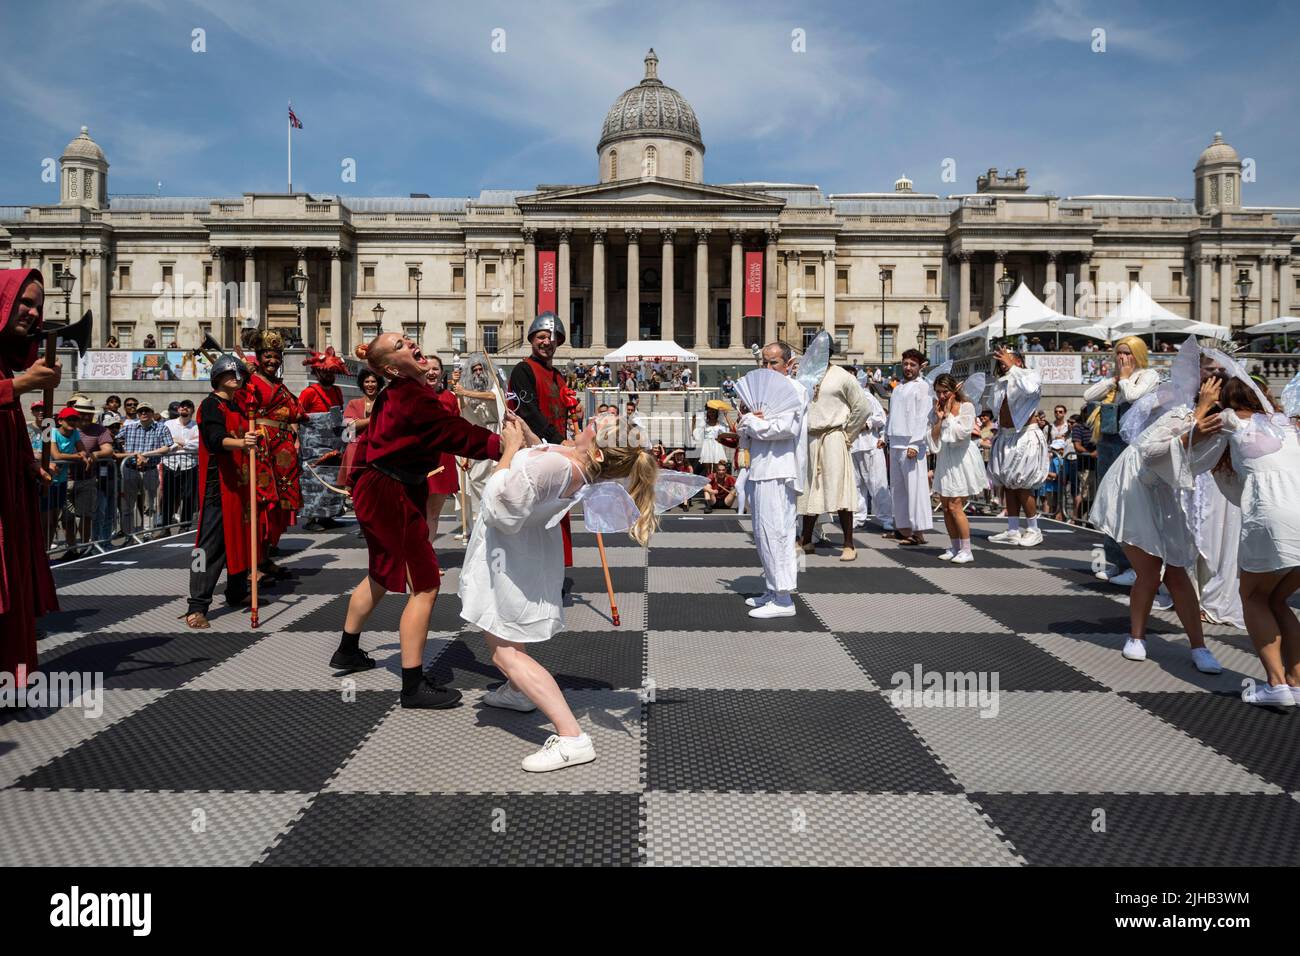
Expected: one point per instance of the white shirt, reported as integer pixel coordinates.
(776, 445)
(1021, 388)
(1130, 389)
(188, 437)
(909, 414)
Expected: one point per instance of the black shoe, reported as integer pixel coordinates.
(329, 524)
(708, 508)
(313, 525)
(349, 661)
(428, 697)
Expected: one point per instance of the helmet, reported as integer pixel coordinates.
(229, 363)
(547, 322)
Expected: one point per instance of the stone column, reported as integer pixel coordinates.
(633, 283)
(796, 299)
(828, 297)
(562, 280)
(999, 267)
(1049, 287)
(308, 330)
(103, 320)
(1265, 288)
(769, 283)
(667, 234)
(471, 300)
(530, 274)
(702, 288)
(340, 326)
(1286, 284)
(78, 266)
(251, 294)
(963, 291)
(1083, 304)
(737, 291)
(503, 299)
(598, 288)
(1225, 291)
(1204, 287)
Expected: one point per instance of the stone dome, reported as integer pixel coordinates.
(902, 184)
(83, 147)
(1218, 152)
(651, 109)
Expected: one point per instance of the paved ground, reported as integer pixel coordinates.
(720, 739)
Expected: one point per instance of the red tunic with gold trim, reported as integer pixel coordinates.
(409, 432)
(274, 411)
(540, 397)
(232, 469)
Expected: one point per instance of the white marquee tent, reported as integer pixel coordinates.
(1139, 314)
(651, 350)
(1023, 308)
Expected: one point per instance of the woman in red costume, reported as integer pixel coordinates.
(26, 585)
(273, 412)
(409, 432)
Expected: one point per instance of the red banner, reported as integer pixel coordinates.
(753, 284)
(546, 281)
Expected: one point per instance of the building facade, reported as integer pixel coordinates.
(650, 250)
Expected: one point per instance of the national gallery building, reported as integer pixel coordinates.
(649, 250)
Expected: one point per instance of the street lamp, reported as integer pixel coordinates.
(66, 281)
(1004, 286)
(378, 312)
(923, 334)
(299, 287)
(884, 274)
(417, 275)
(1243, 292)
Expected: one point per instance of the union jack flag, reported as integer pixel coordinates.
(293, 119)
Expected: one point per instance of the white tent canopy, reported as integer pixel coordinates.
(1023, 308)
(651, 350)
(1139, 314)
(1282, 325)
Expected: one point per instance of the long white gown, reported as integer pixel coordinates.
(959, 469)
(909, 406)
(1216, 525)
(874, 496)
(513, 575)
(1142, 501)
(1266, 484)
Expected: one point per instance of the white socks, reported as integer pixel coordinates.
(963, 546)
(783, 599)
(1013, 524)
(1033, 523)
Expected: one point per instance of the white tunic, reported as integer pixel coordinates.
(869, 465)
(1216, 525)
(909, 482)
(706, 440)
(1019, 457)
(770, 486)
(513, 575)
(959, 469)
(835, 417)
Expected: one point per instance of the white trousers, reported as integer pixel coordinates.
(772, 505)
(910, 484)
(874, 496)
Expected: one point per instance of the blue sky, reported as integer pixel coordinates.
(413, 92)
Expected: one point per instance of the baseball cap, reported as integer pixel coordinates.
(111, 419)
(143, 405)
(1059, 444)
(69, 413)
(84, 405)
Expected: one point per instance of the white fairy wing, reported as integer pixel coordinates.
(672, 488)
(815, 361)
(1181, 389)
(607, 507)
(769, 392)
(1291, 397)
(934, 373)
(974, 388)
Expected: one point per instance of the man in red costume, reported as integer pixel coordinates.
(274, 414)
(26, 585)
(543, 401)
(223, 527)
(320, 437)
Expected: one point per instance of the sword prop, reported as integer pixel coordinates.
(252, 532)
(609, 584)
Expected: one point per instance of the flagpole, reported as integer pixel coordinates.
(289, 127)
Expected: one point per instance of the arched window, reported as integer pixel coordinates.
(651, 164)
(613, 164)
(690, 161)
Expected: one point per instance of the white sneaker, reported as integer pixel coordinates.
(1266, 695)
(1030, 538)
(1295, 692)
(759, 601)
(1105, 573)
(507, 698)
(964, 557)
(1205, 661)
(560, 752)
(1163, 600)
(1125, 580)
(773, 610)
(1005, 537)
(1135, 650)
(948, 555)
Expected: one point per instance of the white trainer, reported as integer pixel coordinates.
(948, 555)
(964, 557)
(507, 698)
(1163, 600)
(1005, 537)
(560, 752)
(773, 610)
(1205, 661)
(1125, 580)
(1266, 695)
(759, 601)
(1135, 650)
(1030, 537)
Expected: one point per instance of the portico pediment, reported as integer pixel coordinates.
(650, 193)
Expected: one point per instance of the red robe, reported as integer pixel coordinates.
(279, 493)
(409, 432)
(319, 398)
(447, 481)
(26, 585)
(541, 401)
(232, 467)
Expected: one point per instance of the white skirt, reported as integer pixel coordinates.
(511, 584)
(1270, 522)
(713, 451)
(959, 470)
(1018, 459)
(1139, 509)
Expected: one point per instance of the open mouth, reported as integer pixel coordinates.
(418, 355)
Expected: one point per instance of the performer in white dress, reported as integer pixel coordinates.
(513, 575)
(909, 480)
(868, 451)
(836, 414)
(770, 486)
(706, 440)
(1018, 459)
(1139, 504)
(959, 470)
(1260, 468)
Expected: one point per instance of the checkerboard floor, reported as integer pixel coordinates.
(720, 739)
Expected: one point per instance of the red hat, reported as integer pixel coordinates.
(327, 361)
(69, 413)
(40, 405)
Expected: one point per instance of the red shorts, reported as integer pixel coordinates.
(391, 516)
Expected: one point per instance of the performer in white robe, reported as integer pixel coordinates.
(836, 415)
(512, 579)
(909, 479)
(959, 469)
(868, 451)
(772, 484)
(478, 404)
(1018, 461)
(706, 440)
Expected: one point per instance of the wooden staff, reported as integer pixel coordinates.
(47, 410)
(609, 584)
(252, 530)
(464, 498)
